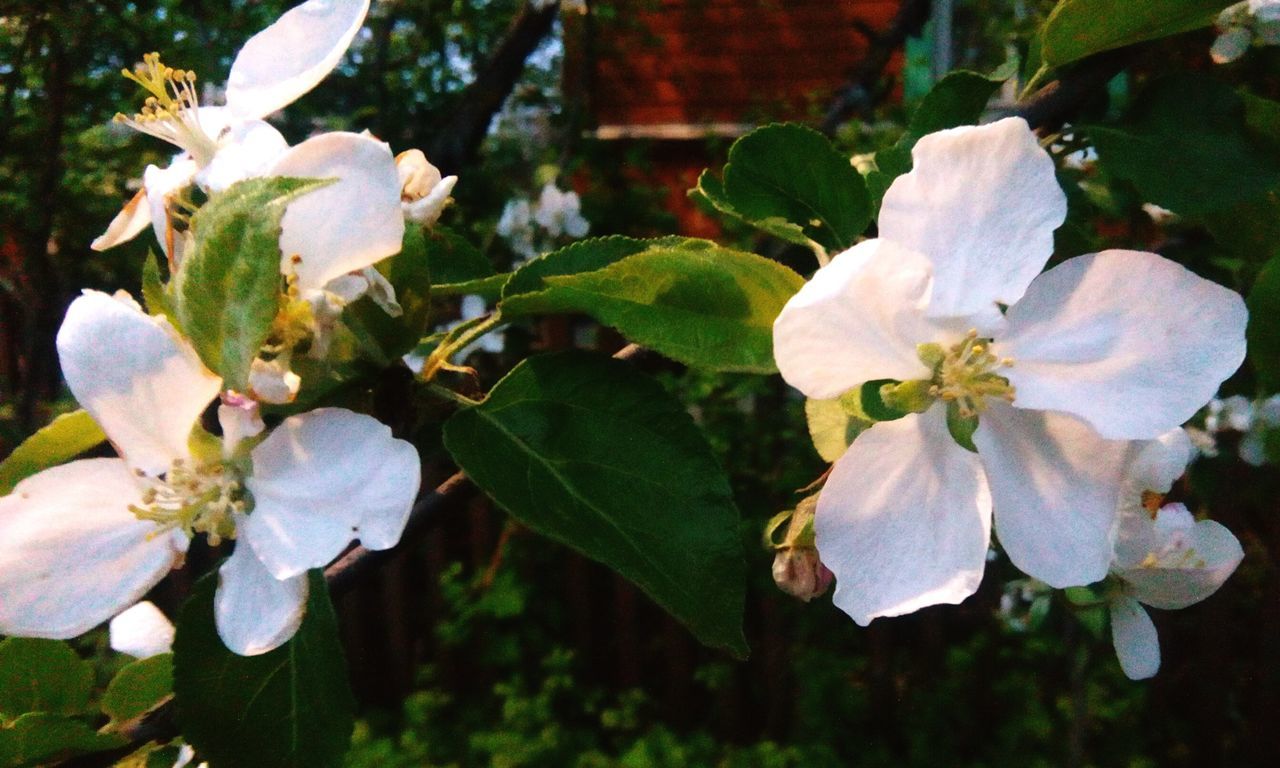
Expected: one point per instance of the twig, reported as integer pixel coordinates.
(1055, 103)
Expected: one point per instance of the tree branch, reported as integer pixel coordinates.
(1055, 103)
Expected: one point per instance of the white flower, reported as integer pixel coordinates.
(223, 145)
(141, 631)
(1163, 558)
(1099, 350)
(423, 192)
(516, 227)
(82, 541)
(1246, 23)
(559, 212)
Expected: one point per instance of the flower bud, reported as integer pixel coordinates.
(800, 573)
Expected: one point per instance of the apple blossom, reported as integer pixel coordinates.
(1163, 557)
(1097, 351)
(141, 631)
(82, 541)
(1251, 22)
(424, 193)
(560, 212)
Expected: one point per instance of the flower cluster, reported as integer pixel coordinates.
(531, 229)
(1251, 22)
(82, 542)
(1253, 420)
(1016, 399)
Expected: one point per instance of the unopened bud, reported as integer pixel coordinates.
(800, 573)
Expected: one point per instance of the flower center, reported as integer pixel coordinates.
(172, 110)
(967, 373)
(195, 499)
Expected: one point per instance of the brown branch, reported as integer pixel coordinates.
(1055, 103)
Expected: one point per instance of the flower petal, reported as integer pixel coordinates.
(323, 479)
(72, 555)
(904, 519)
(247, 150)
(348, 225)
(981, 203)
(1055, 483)
(254, 611)
(1134, 636)
(132, 219)
(142, 631)
(1187, 562)
(1130, 341)
(161, 185)
(293, 55)
(1156, 466)
(857, 320)
(140, 380)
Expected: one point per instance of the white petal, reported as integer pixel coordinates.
(1130, 341)
(323, 479)
(426, 210)
(904, 520)
(1187, 562)
(857, 320)
(1156, 466)
(161, 185)
(132, 219)
(981, 203)
(140, 380)
(1230, 45)
(348, 225)
(142, 631)
(273, 382)
(72, 555)
(255, 612)
(247, 150)
(1134, 636)
(293, 55)
(1055, 484)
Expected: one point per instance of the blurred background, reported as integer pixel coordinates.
(483, 644)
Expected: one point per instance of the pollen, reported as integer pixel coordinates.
(171, 110)
(968, 374)
(194, 499)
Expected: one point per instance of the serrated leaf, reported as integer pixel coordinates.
(691, 300)
(61, 440)
(590, 452)
(226, 291)
(793, 173)
(711, 191)
(1079, 28)
(40, 738)
(155, 295)
(1185, 146)
(138, 687)
(290, 708)
(42, 676)
(832, 428)
(1263, 333)
(582, 256)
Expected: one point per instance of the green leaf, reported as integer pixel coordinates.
(1186, 147)
(590, 452)
(42, 676)
(409, 273)
(138, 688)
(1263, 333)
(290, 708)
(872, 404)
(1079, 28)
(226, 292)
(452, 258)
(961, 427)
(41, 738)
(155, 294)
(711, 191)
(61, 440)
(793, 173)
(958, 99)
(582, 256)
(832, 428)
(489, 288)
(691, 300)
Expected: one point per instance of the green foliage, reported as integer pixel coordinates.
(1186, 147)
(42, 676)
(226, 292)
(138, 687)
(711, 191)
(691, 300)
(64, 438)
(1264, 326)
(452, 259)
(289, 708)
(790, 173)
(40, 738)
(832, 428)
(1076, 28)
(591, 453)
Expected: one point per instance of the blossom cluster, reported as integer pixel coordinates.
(1034, 405)
(532, 228)
(84, 541)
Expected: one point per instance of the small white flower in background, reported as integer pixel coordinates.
(82, 541)
(1252, 22)
(223, 145)
(1253, 420)
(1161, 216)
(516, 227)
(1163, 558)
(1097, 351)
(560, 213)
(141, 631)
(424, 193)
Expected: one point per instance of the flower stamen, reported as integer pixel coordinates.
(172, 110)
(200, 499)
(967, 374)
